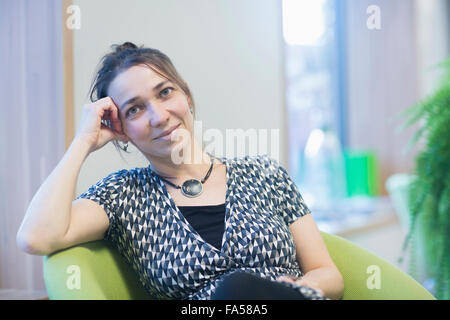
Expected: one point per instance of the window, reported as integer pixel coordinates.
(315, 100)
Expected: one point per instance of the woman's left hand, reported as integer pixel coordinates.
(308, 283)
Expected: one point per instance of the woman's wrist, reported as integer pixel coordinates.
(81, 146)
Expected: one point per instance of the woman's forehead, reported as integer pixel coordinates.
(133, 81)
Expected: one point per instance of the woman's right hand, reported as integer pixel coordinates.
(303, 282)
(92, 131)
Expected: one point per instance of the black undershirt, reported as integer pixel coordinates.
(208, 221)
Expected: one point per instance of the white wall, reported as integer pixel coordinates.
(433, 43)
(229, 52)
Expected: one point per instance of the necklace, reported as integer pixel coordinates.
(191, 188)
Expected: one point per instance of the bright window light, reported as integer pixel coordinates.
(303, 22)
(314, 142)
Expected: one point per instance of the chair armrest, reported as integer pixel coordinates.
(94, 271)
(353, 262)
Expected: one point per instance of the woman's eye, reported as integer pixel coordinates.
(164, 93)
(129, 110)
(165, 90)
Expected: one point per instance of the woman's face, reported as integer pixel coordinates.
(149, 105)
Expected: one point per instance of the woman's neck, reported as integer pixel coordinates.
(185, 166)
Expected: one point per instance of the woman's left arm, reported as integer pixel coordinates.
(314, 260)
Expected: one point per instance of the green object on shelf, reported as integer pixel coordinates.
(361, 168)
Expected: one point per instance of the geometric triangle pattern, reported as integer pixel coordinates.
(172, 260)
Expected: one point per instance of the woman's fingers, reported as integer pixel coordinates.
(111, 113)
(312, 284)
(308, 283)
(285, 278)
(92, 127)
(113, 134)
(115, 120)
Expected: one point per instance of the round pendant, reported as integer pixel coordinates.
(191, 188)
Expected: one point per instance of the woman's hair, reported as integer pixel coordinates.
(128, 55)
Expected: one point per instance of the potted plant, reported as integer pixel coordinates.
(428, 196)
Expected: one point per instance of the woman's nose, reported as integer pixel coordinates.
(158, 115)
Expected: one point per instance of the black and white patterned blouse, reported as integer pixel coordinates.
(172, 260)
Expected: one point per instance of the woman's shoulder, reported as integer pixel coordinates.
(264, 163)
(122, 176)
(261, 159)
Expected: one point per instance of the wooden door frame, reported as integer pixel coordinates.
(68, 85)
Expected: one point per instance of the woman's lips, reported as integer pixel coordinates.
(168, 135)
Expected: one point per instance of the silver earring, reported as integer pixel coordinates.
(125, 147)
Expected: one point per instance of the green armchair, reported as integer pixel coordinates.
(95, 270)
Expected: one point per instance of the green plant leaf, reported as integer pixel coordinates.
(429, 191)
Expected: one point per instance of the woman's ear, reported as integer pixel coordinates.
(191, 109)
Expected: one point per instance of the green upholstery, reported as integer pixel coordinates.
(355, 263)
(103, 274)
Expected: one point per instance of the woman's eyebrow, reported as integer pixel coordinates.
(156, 88)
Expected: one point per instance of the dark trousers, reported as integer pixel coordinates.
(241, 285)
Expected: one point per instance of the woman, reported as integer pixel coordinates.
(167, 220)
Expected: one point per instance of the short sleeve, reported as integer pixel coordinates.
(289, 201)
(106, 192)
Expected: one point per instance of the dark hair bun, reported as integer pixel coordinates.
(124, 46)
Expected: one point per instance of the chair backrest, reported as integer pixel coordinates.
(95, 270)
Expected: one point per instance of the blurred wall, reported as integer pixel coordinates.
(433, 40)
(388, 73)
(229, 52)
(389, 70)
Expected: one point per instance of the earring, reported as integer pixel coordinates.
(125, 147)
